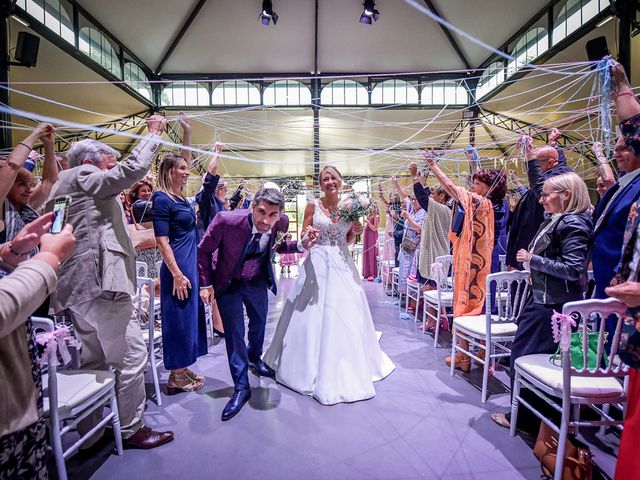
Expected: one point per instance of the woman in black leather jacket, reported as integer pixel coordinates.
(557, 258)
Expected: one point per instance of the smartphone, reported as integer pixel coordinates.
(60, 210)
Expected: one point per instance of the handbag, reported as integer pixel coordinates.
(141, 234)
(577, 357)
(408, 245)
(578, 459)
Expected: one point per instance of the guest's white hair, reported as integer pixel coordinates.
(91, 150)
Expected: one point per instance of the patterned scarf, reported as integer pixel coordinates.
(435, 243)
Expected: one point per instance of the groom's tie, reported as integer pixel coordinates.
(253, 249)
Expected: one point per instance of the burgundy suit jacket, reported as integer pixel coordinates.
(229, 234)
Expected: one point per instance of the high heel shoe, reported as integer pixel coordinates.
(182, 382)
(462, 362)
(218, 332)
(194, 376)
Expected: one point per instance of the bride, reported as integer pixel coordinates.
(325, 344)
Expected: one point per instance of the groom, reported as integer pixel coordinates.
(241, 243)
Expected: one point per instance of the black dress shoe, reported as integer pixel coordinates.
(262, 369)
(236, 403)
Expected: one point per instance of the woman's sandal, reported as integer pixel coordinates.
(501, 419)
(187, 384)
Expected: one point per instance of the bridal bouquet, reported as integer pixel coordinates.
(353, 207)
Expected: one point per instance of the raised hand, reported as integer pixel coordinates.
(429, 158)
(218, 147)
(184, 121)
(413, 169)
(554, 135)
(156, 124)
(598, 150)
(618, 76)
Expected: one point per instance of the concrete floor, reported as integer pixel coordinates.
(422, 424)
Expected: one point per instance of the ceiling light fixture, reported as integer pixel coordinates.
(267, 14)
(369, 14)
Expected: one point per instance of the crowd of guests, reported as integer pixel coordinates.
(87, 272)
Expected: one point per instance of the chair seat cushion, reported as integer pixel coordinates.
(477, 324)
(446, 298)
(157, 335)
(540, 368)
(77, 386)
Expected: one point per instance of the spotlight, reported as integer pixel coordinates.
(369, 14)
(267, 14)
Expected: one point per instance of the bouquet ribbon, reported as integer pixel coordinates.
(561, 327)
(56, 342)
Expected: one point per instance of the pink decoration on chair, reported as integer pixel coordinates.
(561, 327)
(56, 342)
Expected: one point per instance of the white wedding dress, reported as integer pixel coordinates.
(325, 343)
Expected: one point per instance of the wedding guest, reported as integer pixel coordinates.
(477, 247)
(557, 258)
(542, 163)
(139, 200)
(23, 435)
(370, 244)
(21, 196)
(183, 329)
(97, 282)
(413, 216)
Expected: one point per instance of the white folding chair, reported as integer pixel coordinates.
(502, 259)
(145, 311)
(413, 290)
(142, 270)
(70, 396)
(395, 281)
(575, 387)
(385, 273)
(494, 330)
(440, 298)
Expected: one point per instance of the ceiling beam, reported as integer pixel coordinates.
(449, 35)
(180, 34)
(494, 139)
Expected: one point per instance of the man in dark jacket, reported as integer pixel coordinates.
(542, 163)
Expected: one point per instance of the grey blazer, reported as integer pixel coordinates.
(104, 257)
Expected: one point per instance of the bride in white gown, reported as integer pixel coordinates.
(325, 343)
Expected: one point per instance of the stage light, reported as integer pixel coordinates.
(267, 14)
(369, 14)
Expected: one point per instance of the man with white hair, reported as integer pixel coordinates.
(97, 282)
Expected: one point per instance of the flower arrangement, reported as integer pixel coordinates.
(353, 207)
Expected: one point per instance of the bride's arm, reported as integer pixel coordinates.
(308, 216)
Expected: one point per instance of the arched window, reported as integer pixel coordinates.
(287, 93)
(52, 14)
(344, 92)
(529, 47)
(394, 92)
(573, 14)
(137, 79)
(235, 92)
(492, 76)
(444, 92)
(185, 94)
(99, 49)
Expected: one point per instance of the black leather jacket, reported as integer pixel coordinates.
(560, 259)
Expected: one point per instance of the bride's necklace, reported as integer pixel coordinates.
(330, 212)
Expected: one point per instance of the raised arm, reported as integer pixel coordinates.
(109, 183)
(381, 193)
(449, 187)
(49, 170)
(399, 189)
(604, 168)
(473, 158)
(185, 123)
(16, 159)
(422, 193)
(627, 104)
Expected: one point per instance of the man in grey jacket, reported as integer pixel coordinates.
(97, 282)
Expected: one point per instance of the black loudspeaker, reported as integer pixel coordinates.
(597, 49)
(27, 49)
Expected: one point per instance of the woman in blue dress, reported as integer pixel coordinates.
(183, 329)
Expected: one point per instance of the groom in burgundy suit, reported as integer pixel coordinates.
(245, 241)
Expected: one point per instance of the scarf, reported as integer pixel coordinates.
(435, 240)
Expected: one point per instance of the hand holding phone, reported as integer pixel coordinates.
(60, 211)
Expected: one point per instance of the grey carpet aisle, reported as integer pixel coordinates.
(423, 424)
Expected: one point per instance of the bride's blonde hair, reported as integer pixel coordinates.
(329, 168)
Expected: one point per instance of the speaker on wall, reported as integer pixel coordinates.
(597, 49)
(27, 47)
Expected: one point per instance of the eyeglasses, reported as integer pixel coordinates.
(547, 194)
(623, 148)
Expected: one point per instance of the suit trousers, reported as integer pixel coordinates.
(254, 298)
(111, 337)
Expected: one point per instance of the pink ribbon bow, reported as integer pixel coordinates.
(561, 327)
(56, 342)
